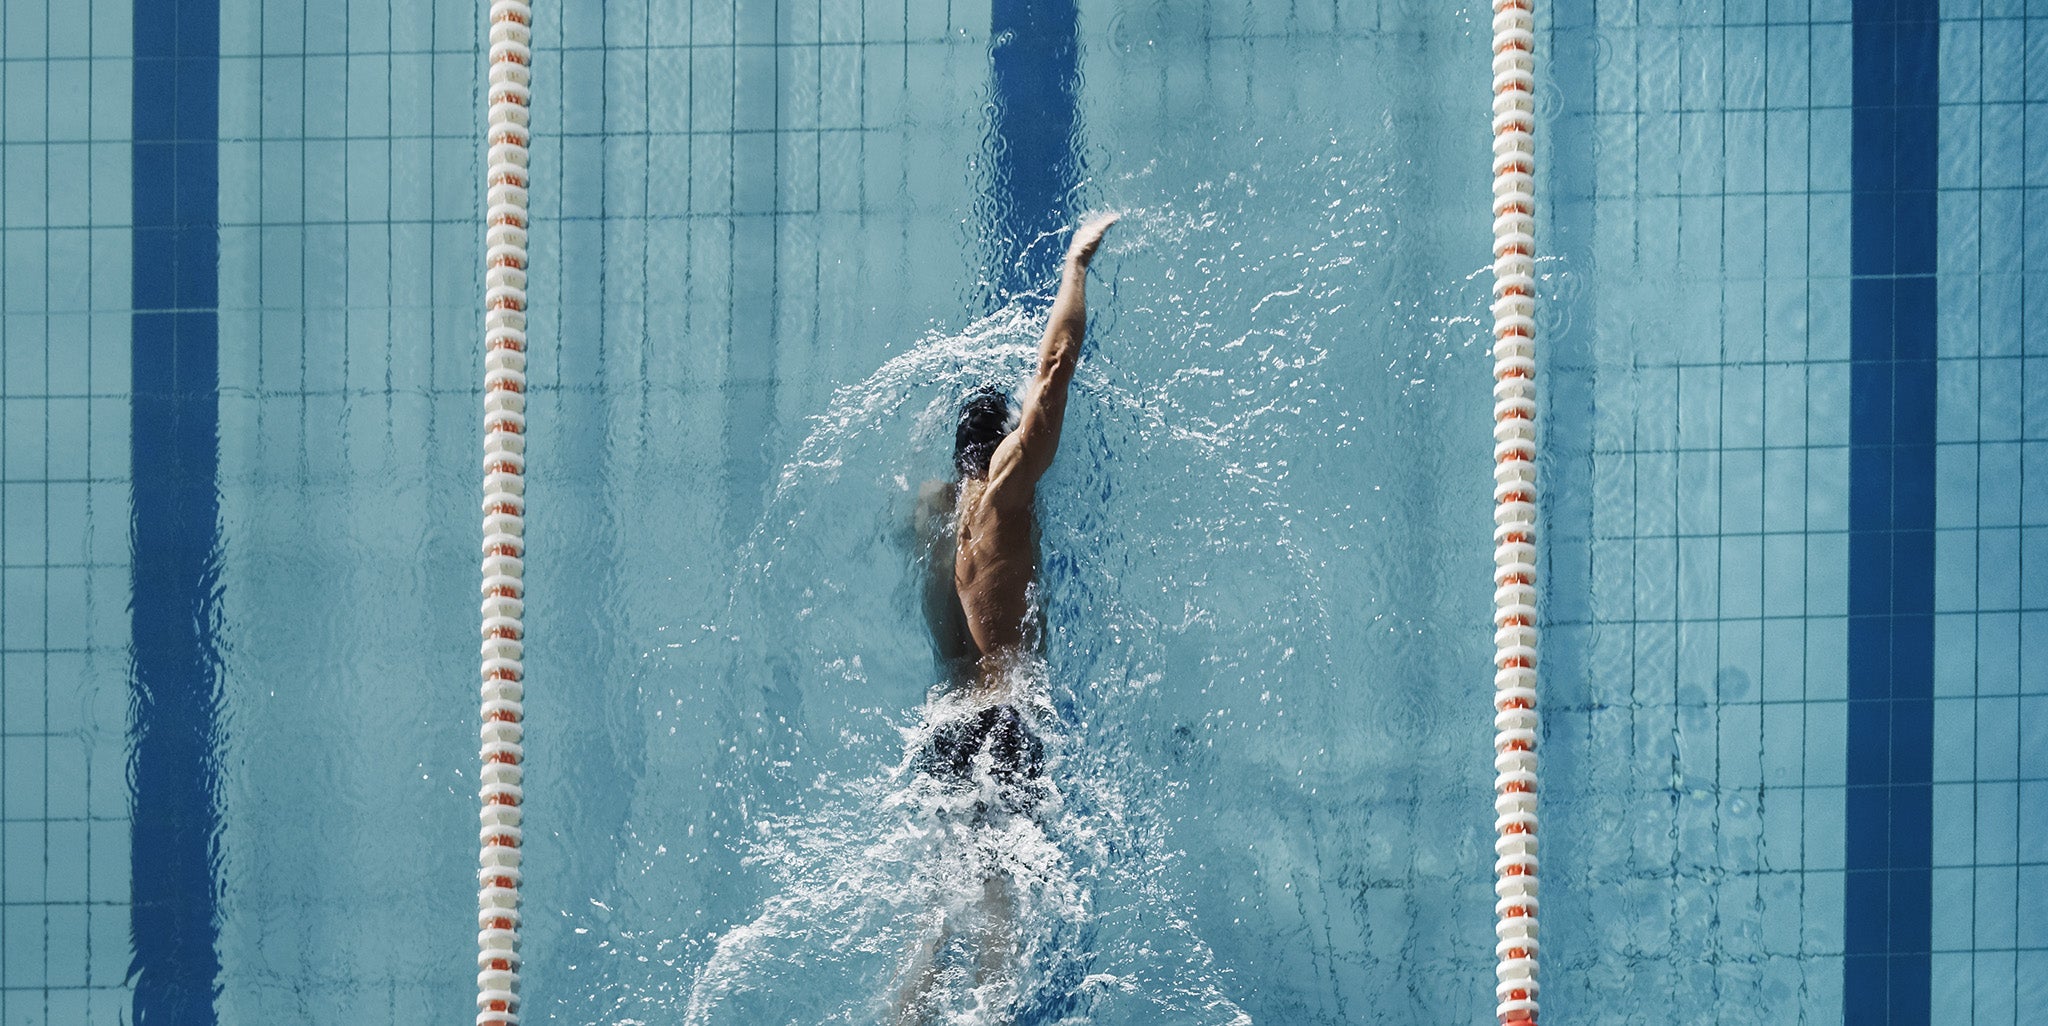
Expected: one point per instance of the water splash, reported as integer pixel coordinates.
(864, 874)
(1214, 472)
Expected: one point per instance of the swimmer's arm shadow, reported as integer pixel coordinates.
(933, 532)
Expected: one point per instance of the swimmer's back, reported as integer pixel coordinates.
(994, 563)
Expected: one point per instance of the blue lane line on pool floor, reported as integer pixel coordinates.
(1034, 58)
(175, 455)
(1886, 926)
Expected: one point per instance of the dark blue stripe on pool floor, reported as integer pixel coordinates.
(1886, 925)
(1034, 165)
(174, 430)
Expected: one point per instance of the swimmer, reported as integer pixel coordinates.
(980, 611)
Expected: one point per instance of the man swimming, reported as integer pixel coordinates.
(981, 614)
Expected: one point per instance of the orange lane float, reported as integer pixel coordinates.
(504, 508)
(1515, 618)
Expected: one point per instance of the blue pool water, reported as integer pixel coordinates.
(1794, 766)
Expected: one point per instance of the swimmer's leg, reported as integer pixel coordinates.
(920, 970)
(998, 939)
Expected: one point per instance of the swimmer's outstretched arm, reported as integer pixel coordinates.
(1025, 455)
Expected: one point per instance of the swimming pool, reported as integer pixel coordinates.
(1793, 458)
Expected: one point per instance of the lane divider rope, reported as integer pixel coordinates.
(504, 509)
(1514, 513)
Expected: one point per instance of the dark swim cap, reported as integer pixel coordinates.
(984, 421)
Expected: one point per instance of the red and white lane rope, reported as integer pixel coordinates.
(1514, 512)
(504, 508)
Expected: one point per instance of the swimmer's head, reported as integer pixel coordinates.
(984, 420)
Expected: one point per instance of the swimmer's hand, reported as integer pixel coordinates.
(934, 514)
(1088, 238)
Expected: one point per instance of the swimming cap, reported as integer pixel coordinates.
(984, 421)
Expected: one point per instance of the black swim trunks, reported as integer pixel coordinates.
(1016, 755)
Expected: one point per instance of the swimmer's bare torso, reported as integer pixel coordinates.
(994, 550)
(995, 562)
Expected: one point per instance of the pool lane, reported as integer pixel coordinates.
(1889, 823)
(174, 424)
(1033, 141)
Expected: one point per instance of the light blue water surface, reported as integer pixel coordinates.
(757, 277)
